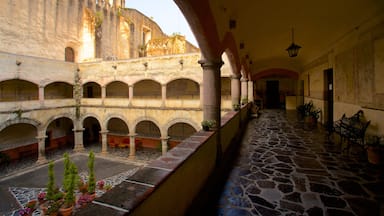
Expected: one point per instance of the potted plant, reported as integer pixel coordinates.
(236, 107)
(26, 211)
(51, 182)
(41, 197)
(208, 124)
(69, 198)
(100, 184)
(84, 199)
(91, 179)
(375, 149)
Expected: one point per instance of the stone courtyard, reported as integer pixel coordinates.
(23, 181)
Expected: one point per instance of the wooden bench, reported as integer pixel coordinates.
(352, 129)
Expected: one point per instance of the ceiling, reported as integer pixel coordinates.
(264, 26)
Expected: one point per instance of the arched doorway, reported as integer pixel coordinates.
(149, 134)
(60, 136)
(178, 132)
(17, 146)
(91, 134)
(117, 134)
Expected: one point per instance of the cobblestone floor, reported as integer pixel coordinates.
(285, 168)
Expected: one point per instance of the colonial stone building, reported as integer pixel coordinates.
(81, 72)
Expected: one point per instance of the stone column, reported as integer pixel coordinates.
(103, 94)
(132, 146)
(164, 144)
(163, 94)
(250, 91)
(130, 95)
(211, 90)
(201, 87)
(235, 89)
(41, 95)
(244, 90)
(41, 149)
(78, 134)
(104, 144)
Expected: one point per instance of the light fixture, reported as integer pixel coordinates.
(293, 49)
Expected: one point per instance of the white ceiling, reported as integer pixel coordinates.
(265, 26)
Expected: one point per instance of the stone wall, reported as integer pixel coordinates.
(357, 61)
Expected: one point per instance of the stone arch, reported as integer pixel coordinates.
(30, 121)
(181, 87)
(91, 89)
(147, 118)
(117, 89)
(53, 118)
(18, 90)
(182, 120)
(62, 90)
(193, 79)
(230, 49)
(93, 116)
(200, 18)
(152, 88)
(115, 115)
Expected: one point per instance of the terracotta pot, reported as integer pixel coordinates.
(66, 211)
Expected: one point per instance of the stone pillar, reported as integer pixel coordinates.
(41, 95)
(211, 90)
(250, 91)
(163, 94)
(201, 87)
(244, 90)
(235, 89)
(104, 144)
(41, 149)
(130, 95)
(103, 94)
(78, 134)
(164, 144)
(132, 146)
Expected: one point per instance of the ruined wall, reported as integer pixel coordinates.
(139, 23)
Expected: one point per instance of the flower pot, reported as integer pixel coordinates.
(66, 211)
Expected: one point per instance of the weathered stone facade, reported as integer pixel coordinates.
(92, 29)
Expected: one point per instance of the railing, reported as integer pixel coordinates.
(168, 185)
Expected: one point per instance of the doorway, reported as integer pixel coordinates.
(328, 98)
(272, 94)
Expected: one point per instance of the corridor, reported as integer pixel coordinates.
(285, 168)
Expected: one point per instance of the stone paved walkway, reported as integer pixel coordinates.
(284, 168)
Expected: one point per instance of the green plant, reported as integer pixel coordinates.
(67, 171)
(91, 167)
(308, 109)
(208, 124)
(51, 182)
(53, 207)
(236, 107)
(69, 198)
